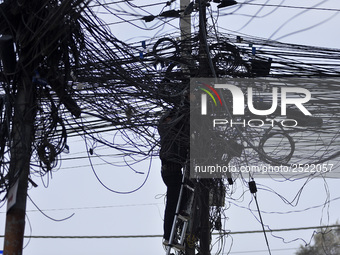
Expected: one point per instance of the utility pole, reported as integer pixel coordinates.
(22, 94)
(185, 27)
(38, 47)
(204, 67)
(22, 138)
(204, 71)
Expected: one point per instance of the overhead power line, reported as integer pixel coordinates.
(93, 207)
(154, 236)
(279, 230)
(255, 251)
(294, 7)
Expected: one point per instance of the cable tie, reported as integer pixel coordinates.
(170, 14)
(252, 187)
(148, 18)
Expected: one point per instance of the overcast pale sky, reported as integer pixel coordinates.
(74, 190)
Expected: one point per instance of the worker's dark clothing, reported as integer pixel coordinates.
(174, 131)
(172, 177)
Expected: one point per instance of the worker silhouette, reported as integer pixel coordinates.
(174, 130)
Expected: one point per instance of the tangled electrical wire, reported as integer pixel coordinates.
(117, 86)
(88, 82)
(84, 80)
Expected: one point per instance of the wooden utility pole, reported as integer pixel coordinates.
(22, 94)
(22, 138)
(21, 149)
(38, 47)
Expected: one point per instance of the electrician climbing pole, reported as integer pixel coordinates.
(202, 186)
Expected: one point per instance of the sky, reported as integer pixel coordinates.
(72, 191)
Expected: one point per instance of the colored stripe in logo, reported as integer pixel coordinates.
(210, 94)
(204, 98)
(215, 92)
